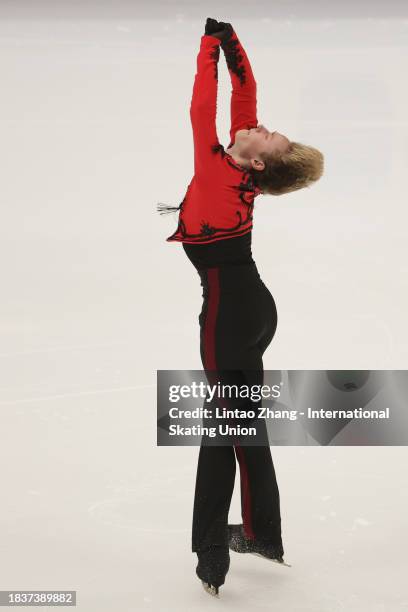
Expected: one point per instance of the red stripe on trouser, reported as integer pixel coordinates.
(246, 502)
(211, 364)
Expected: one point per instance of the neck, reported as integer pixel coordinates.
(241, 161)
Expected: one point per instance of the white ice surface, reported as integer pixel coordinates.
(94, 131)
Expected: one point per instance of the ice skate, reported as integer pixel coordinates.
(239, 542)
(213, 565)
(210, 589)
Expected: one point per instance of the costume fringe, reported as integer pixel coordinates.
(164, 209)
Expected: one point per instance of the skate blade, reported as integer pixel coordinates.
(273, 560)
(210, 589)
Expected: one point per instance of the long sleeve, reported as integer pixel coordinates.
(244, 89)
(203, 109)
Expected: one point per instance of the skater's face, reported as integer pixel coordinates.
(250, 143)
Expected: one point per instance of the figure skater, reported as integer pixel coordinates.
(238, 318)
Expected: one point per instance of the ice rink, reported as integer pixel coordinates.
(95, 130)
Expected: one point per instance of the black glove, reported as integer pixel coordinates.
(211, 26)
(219, 29)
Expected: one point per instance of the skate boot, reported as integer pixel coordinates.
(213, 566)
(239, 542)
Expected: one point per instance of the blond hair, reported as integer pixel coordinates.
(298, 167)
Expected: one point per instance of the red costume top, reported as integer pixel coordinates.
(220, 198)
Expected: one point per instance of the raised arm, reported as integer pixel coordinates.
(244, 89)
(203, 109)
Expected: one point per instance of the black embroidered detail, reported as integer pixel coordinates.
(247, 190)
(207, 229)
(215, 55)
(245, 187)
(230, 231)
(233, 58)
(218, 148)
(248, 186)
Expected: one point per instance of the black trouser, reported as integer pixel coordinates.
(237, 322)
